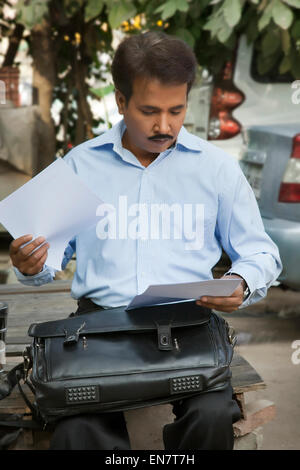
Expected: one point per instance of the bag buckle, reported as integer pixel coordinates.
(73, 337)
(164, 337)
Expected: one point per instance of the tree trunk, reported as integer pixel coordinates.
(84, 110)
(44, 81)
(14, 41)
(80, 68)
(80, 129)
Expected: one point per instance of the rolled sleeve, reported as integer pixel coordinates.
(48, 273)
(253, 254)
(45, 276)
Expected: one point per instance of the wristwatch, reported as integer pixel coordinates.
(246, 288)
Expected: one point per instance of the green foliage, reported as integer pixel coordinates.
(30, 13)
(212, 28)
(119, 11)
(81, 29)
(266, 16)
(232, 12)
(282, 14)
(93, 9)
(168, 9)
(293, 3)
(103, 91)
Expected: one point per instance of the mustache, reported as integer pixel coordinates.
(160, 137)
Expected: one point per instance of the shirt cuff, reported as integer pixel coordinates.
(255, 294)
(45, 276)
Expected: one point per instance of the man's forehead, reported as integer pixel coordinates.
(150, 89)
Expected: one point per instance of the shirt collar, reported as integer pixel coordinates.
(189, 141)
(114, 137)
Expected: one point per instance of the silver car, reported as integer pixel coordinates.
(271, 163)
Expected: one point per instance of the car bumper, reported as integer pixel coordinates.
(286, 235)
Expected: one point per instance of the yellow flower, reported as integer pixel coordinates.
(137, 22)
(66, 38)
(125, 26)
(159, 23)
(77, 38)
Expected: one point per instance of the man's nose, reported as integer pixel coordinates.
(162, 125)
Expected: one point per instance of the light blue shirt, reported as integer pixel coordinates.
(206, 204)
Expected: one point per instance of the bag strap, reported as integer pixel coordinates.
(12, 425)
(12, 420)
(13, 378)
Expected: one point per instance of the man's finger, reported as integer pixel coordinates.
(28, 249)
(39, 266)
(220, 300)
(215, 302)
(41, 262)
(221, 307)
(18, 242)
(35, 257)
(33, 268)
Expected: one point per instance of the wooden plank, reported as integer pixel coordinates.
(14, 403)
(244, 376)
(246, 380)
(259, 412)
(240, 399)
(35, 304)
(18, 288)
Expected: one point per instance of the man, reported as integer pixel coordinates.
(145, 162)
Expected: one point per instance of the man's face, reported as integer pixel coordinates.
(153, 116)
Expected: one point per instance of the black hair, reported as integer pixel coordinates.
(154, 55)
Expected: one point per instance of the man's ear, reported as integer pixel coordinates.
(121, 101)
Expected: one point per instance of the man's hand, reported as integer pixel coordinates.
(23, 258)
(225, 304)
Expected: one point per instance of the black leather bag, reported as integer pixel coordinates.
(114, 359)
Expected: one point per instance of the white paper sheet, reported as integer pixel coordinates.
(55, 204)
(167, 293)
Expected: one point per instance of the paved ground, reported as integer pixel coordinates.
(265, 340)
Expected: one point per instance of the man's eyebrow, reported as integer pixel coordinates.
(179, 106)
(155, 108)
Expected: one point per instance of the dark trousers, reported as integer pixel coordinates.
(201, 422)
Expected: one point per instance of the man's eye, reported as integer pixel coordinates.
(175, 113)
(147, 113)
